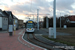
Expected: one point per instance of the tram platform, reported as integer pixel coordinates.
(15, 42)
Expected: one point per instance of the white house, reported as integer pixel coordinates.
(4, 15)
(3, 21)
(71, 19)
(15, 20)
(0, 22)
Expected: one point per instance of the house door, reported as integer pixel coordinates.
(5, 27)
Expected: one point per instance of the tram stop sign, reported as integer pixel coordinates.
(10, 22)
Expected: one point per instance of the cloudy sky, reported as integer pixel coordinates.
(22, 7)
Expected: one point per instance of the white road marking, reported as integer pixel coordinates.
(21, 32)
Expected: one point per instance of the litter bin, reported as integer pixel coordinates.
(65, 26)
(51, 34)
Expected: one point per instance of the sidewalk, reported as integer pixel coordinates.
(14, 42)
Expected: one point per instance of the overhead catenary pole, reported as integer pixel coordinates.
(33, 17)
(60, 20)
(54, 19)
(37, 19)
(46, 22)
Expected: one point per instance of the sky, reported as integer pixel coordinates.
(22, 7)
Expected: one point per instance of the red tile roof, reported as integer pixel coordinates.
(72, 18)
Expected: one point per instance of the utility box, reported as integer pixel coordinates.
(51, 33)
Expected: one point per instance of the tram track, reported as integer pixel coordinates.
(33, 40)
(42, 43)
